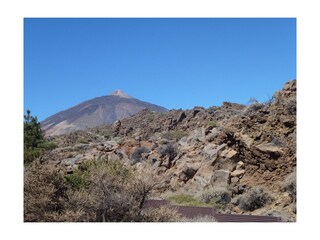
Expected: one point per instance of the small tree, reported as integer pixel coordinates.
(33, 134)
(34, 141)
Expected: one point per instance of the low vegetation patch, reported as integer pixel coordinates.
(137, 154)
(174, 135)
(98, 191)
(290, 185)
(253, 199)
(189, 200)
(212, 123)
(217, 196)
(162, 214)
(168, 150)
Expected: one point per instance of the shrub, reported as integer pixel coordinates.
(252, 108)
(290, 185)
(291, 106)
(137, 154)
(118, 195)
(168, 150)
(205, 218)
(174, 135)
(77, 180)
(45, 193)
(184, 199)
(212, 124)
(219, 196)
(253, 199)
(161, 214)
(98, 191)
(252, 101)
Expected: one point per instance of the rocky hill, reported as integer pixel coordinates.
(241, 153)
(96, 112)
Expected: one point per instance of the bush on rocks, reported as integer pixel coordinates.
(253, 199)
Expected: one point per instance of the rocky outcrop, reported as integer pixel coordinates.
(232, 147)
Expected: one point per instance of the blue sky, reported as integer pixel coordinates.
(175, 63)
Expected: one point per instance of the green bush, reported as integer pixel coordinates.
(78, 180)
(212, 124)
(184, 199)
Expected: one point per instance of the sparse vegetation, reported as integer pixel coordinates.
(290, 185)
(291, 106)
(212, 123)
(253, 199)
(168, 150)
(137, 154)
(200, 218)
(184, 199)
(45, 193)
(161, 214)
(189, 200)
(252, 101)
(174, 135)
(217, 196)
(99, 191)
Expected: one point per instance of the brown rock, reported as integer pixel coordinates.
(237, 173)
(248, 141)
(240, 165)
(234, 180)
(220, 178)
(269, 148)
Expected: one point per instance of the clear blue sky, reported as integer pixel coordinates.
(175, 63)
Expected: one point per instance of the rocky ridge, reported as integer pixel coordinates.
(232, 147)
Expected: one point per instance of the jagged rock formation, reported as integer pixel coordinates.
(231, 148)
(96, 112)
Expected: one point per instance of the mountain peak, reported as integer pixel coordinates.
(120, 93)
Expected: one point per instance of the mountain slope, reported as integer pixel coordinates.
(97, 111)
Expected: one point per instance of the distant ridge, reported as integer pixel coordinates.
(95, 112)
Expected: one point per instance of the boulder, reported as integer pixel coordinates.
(72, 161)
(188, 171)
(202, 179)
(240, 165)
(237, 173)
(212, 135)
(212, 151)
(248, 141)
(234, 180)
(269, 148)
(229, 153)
(196, 136)
(220, 178)
(181, 116)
